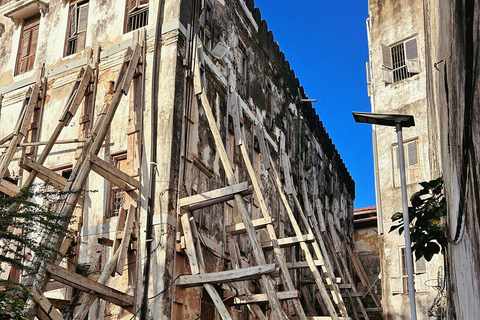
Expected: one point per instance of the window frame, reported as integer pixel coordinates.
(30, 25)
(136, 8)
(75, 7)
(402, 64)
(420, 272)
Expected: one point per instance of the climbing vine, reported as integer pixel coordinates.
(427, 220)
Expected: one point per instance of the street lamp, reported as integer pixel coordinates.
(398, 121)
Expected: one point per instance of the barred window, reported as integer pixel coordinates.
(400, 61)
(136, 15)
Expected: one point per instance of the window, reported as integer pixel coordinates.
(136, 15)
(412, 163)
(116, 195)
(77, 27)
(419, 273)
(206, 24)
(28, 45)
(242, 71)
(400, 61)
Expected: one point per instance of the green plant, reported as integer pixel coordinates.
(427, 220)
(24, 220)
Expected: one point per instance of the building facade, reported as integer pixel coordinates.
(175, 99)
(398, 84)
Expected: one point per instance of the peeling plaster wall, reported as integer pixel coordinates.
(391, 22)
(453, 34)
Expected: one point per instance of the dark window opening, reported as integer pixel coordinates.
(77, 27)
(136, 15)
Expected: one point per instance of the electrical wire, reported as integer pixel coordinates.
(373, 284)
(155, 296)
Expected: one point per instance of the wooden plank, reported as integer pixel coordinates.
(20, 129)
(308, 301)
(244, 274)
(188, 223)
(274, 243)
(303, 264)
(112, 174)
(354, 289)
(44, 173)
(127, 233)
(84, 284)
(288, 242)
(308, 256)
(239, 228)
(242, 289)
(70, 109)
(358, 267)
(9, 188)
(48, 309)
(210, 198)
(258, 254)
(262, 297)
(44, 143)
(190, 245)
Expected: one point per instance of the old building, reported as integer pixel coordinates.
(184, 126)
(452, 37)
(398, 84)
(367, 245)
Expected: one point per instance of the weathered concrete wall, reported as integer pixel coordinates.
(453, 29)
(390, 23)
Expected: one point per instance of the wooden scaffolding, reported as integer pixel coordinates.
(335, 292)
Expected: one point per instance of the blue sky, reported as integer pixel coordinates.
(326, 44)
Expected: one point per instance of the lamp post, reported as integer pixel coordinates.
(398, 121)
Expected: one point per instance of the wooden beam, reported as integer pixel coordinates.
(303, 264)
(44, 173)
(239, 228)
(9, 188)
(308, 255)
(244, 274)
(262, 297)
(127, 233)
(49, 311)
(288, 242)
(210, 198)
(20, 128)
(112, 174)
(257, 251)
(84, 284)
(189, 225)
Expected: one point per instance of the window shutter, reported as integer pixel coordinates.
(411, 51)
(387, 75)
(396, 285)
(33, 48)
(420, 282)
(82, 18)
(412, 153)
(25, 41)
(73, 20)
(413, 66)
(411, 54)
(132, 5)
(81, 41)
(368, 72)
(421, 266)
(387, 57)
